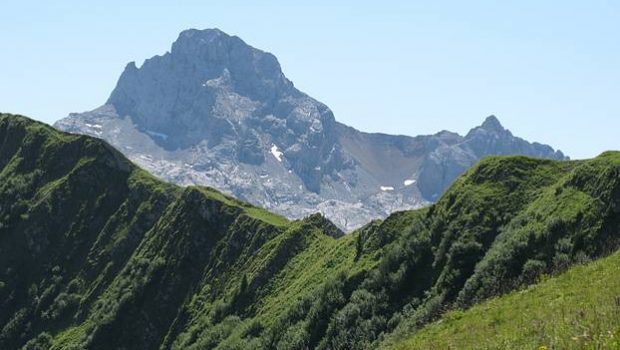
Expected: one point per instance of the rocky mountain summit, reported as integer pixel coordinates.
(215, 111)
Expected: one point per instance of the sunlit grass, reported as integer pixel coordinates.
(579, 309)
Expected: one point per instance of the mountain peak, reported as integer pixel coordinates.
(210, 41)
(216, 111)
(201, 37)
(491, 123)
(202, 67)
(208, 32)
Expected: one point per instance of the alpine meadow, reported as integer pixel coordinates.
(97, 254)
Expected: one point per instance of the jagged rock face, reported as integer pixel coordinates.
(449, 160)
(213, 87)
(492, 138)
(216, 111)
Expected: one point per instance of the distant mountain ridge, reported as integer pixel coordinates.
(215, 111)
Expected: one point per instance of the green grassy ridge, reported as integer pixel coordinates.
(97, 254)
(94, 247)
(483, 238)
(570, 219)
(287, 268)
(579, 309)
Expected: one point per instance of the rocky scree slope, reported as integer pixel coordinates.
(215, 111)
(95, 253)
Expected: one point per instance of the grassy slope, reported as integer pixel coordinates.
(97, 254)
(579, 309)
(131, 253)
(80, 224)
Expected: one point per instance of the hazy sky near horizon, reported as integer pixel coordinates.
(549, 70)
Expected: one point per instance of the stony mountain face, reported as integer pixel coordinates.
(455, 154)
(215, 111)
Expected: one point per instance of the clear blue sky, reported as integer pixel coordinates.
(550, 70)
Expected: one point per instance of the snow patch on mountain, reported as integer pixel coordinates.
(157, 134)
(275, 151)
